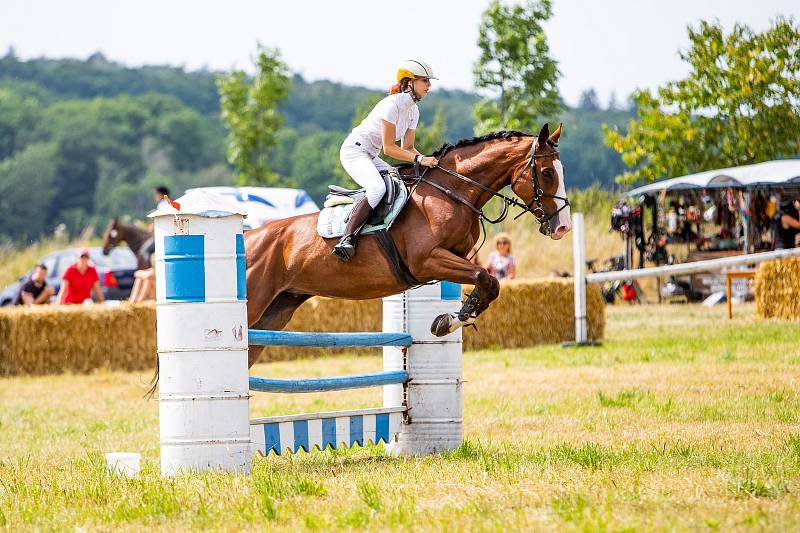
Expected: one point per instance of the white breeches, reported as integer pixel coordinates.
(365, 170)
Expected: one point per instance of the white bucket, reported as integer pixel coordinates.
(123, 464)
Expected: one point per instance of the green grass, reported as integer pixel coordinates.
(681, 420)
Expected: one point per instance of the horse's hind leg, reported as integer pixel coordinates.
(445, 265)
(276, 316)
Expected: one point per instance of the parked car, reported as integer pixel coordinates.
(115, 271)
(265, 204)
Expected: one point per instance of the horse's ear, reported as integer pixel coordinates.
(556, 134)
(114, 221)
(544, 134)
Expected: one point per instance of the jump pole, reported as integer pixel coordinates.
(202, 340)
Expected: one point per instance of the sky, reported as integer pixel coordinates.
(610, 45)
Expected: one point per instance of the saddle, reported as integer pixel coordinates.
(338, 205)
(341, 196)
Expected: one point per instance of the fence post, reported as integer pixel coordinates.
(579, 278)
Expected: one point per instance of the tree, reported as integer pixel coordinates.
(740, 104)
(515, 68)
(27, 188)
(588, 100)
(431, 138)
(250, 112)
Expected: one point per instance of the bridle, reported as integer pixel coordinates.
(538, 212)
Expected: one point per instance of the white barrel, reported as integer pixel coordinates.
(432, 396)
(201, 310)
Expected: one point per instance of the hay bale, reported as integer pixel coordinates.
(777, 289)
(52, 340)
(530, 312)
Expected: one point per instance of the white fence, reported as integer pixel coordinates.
(582, 278)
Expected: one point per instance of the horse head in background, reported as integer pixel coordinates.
(139, 241)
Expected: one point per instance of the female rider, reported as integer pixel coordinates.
(393, 119)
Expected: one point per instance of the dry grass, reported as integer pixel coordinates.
(681, 421)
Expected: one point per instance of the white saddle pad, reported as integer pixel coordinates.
(332, 221)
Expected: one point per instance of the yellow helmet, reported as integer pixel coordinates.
(411, 68)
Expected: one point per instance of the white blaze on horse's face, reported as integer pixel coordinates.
(563, 224)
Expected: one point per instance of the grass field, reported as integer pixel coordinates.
(680, 421)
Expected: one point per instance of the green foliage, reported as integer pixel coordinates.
(740, 104)
(26, 190)
(430, 138)
(515, 68)
(18, 114)
(250, 112)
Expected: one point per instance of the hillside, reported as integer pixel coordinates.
(81, 141)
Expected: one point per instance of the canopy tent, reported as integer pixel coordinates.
(780, 172)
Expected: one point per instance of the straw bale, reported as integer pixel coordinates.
(531, 312)
(49, 340)
(777, 289)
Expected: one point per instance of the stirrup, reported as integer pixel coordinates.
(345, 249)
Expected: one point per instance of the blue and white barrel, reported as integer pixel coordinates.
(201, 309)
(432, 396)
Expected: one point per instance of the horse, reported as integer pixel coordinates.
(287, 262)
(140, 241)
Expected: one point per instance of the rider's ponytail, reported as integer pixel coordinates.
(400, 87)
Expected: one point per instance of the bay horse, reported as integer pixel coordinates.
(140, 241)
(288, 262)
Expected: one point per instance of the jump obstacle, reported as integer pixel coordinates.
(202, 338)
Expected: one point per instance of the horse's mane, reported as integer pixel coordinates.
(505, 134)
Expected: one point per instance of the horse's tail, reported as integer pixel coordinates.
(153, 384)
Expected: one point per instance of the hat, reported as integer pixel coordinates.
(84, 251)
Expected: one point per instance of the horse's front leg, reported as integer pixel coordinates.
(445, 265)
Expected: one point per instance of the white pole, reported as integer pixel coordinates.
(433, 394)
(579, 276)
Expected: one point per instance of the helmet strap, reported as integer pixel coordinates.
(410, 89)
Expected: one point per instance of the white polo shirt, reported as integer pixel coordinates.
(400, 109)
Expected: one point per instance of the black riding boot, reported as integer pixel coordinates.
(346, 248)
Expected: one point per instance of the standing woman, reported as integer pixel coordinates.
(393, 119)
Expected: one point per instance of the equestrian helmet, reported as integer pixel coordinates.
(411, 68)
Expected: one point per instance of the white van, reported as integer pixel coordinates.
(265, 204)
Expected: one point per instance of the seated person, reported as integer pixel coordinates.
(79, 281)
(36, 290)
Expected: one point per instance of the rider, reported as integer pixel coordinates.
(392, 119)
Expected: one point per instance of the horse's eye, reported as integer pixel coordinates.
(548, 172)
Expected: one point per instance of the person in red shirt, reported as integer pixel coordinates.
(79, 281)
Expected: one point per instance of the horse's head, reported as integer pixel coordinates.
(541, 185)
(112, 236)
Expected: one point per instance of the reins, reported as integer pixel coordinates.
(537, 211)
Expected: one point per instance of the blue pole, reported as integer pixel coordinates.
(358, 381)
(339, 340)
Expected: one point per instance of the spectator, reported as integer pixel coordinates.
(79, 281)
(501, 263)
(36, 290)
(788, 224)
(158, 196)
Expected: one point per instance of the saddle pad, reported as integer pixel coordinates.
(332, 221)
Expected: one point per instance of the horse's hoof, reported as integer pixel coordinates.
(442, 325)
